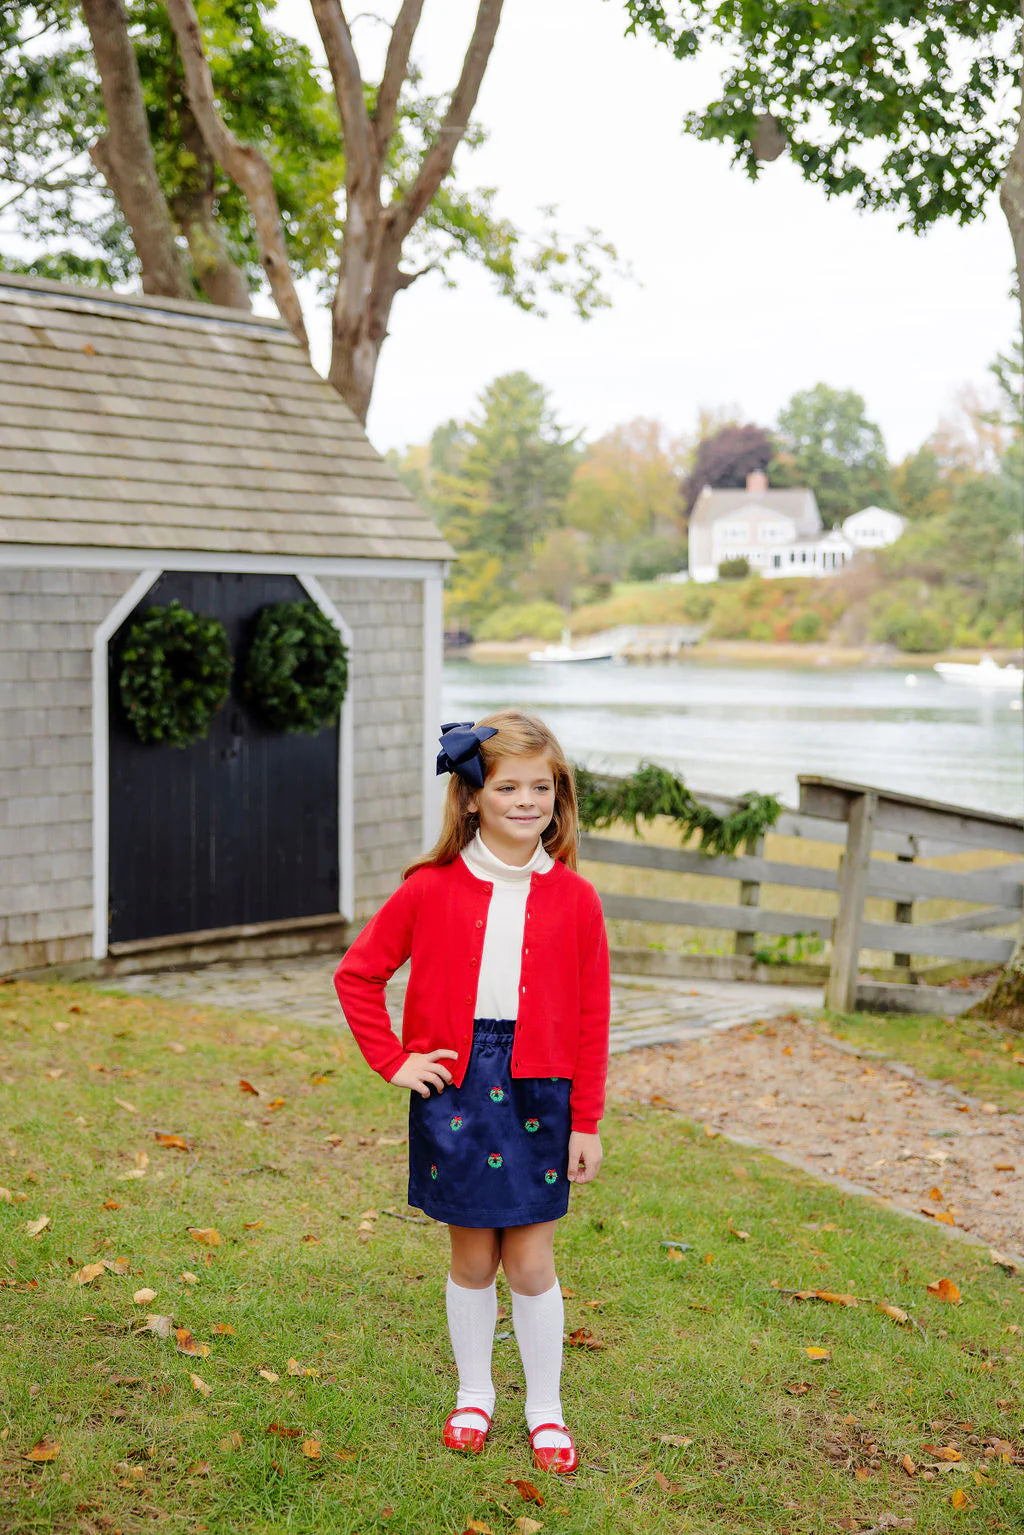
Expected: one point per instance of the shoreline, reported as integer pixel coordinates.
(765, 652)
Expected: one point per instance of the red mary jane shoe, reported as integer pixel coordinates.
(561, 1459)
(471, 1439)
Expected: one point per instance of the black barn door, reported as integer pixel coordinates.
(239, 827)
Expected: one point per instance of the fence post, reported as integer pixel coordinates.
(841, 992)
(903, 912)
(750, 895)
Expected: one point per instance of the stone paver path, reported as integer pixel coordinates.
(644, 1012)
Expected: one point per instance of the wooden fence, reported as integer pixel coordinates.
(865, 821)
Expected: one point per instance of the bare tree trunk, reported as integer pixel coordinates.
(218, 276)
(1004, 1000)
(371, 249)
(124, 155)
(243, 163)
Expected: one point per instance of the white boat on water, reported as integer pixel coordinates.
(985, 673)
(565, 652)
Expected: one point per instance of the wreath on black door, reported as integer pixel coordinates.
(296, 672)
(175, 673)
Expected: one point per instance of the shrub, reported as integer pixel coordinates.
(805, 627)
(650, 557)
(912, 629)
(733, 570)
(522, 620)
(759, 630)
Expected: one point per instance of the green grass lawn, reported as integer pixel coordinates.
(977, 1057)
(702, 1412)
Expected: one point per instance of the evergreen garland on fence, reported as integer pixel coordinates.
(297, 668)
(175, 673)
(652, 791)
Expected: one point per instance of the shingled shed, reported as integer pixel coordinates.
(149, 452)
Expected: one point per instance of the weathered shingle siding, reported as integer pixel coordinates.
(386, 690)
(47, 621)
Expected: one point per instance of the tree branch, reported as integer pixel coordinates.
(348, 89)
(125, 157)
(406, 279)
(437, 161)
(395, 68)
(245, 165)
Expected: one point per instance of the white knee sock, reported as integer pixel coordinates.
(471, 1318)
(539, 1321)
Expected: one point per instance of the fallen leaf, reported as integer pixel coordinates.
(133, 1172)
(282, 1432)
(52, 1076)
(43, 1449)
(117, 1265)
(526, 1490)
(370, 1215)
(334, 1139)
(946, 1290)
(862, 1474)
(173, 1143)
(942, 1451)
(207, 1235)
(276, 1103)
(959, 1498)
(6, 1197)
(187, 1277)
(567, 1294)
(311, 1449)
(744, 1236)
(943, 1216)
(111, 1204)
(87, 1274)
(186, 1344)
(310, 1238)
(797, 1387)
(143, 1297)
(223, 1328)
(813, 1352)
(295, 1368)
(319, 1078)
(477, 1527)
(675, 1255)
(160, 1325)
(232, 1441)
(270, 1375)
(251, 1225)
(678, 1441)
(33, 1228)
(123, 1103)
(201, 1386)
(247, 1087)
(176, 1048)
(584, 1338)
(908, 1465)
(526, 1526)
(275, 1467)
(199, 1468)
(896, 1312)
(1009, 1264)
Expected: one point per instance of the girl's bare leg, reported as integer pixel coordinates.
(528, 1257)
(472, 1305)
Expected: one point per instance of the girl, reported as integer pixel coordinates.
(504, 1048)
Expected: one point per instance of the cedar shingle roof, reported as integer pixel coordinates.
(141, 422)
(713, 504)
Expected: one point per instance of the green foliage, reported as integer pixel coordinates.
(296, 672)
(826, 442)
(497, 485)
(912, 628)
(650, 557)
(654, 791)
(805, 627)
(905, 107)
(626, 485)
(174, 674)
(737, 569)
(789, 949)
(522, 620)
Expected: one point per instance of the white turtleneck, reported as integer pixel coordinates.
(497, 992)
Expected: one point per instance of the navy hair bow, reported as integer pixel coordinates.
(460, 751)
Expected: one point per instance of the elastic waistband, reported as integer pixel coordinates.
(501, 1027)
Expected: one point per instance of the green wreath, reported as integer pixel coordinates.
(297, 670)
(175, 673)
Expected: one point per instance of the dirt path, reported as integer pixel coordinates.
(788, 1088)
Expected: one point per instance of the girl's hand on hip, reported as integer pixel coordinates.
(584, 1157)
(422, 1072)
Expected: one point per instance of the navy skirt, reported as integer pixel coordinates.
(495, 1151)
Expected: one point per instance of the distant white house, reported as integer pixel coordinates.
(779, 532)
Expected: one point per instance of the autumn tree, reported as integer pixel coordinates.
(725, 458)
(825, 441)
(192, 146)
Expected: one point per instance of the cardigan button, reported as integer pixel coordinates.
(474, 961)
(478, 923)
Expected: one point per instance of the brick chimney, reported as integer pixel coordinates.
(757, 480)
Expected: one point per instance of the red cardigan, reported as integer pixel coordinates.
(438, 916)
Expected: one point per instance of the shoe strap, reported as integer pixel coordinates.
(559, 1428)
(455, 1412)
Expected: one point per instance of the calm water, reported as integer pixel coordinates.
(735, 728)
